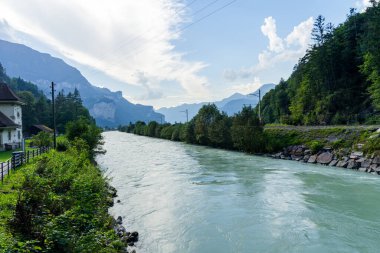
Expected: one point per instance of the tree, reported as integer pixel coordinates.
(318, 33)
(247, 132)
(206, 116)
(86, 130)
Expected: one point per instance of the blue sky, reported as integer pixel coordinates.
(141, 47)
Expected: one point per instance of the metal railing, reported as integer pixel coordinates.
(18, 159)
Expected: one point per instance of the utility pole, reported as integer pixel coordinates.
(53, 109)
(187, 115)
(258, 95)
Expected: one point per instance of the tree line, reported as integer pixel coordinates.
(211, 127)
(338, 80)
(37, 108)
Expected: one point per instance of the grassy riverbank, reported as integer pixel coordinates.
(60, 201)
(57, 204)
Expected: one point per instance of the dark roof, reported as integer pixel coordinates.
(43, 128)
(6, 122)
(6, 94)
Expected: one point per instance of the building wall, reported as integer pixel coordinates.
(14, 112)
(15, 140)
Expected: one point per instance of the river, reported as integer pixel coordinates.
(183, 198)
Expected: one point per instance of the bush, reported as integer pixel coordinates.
(62, 144)
(372, 146)
(42, 139)
(63, 207)
(315, 146)
(85, 130)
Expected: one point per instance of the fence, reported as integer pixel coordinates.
(18, 159)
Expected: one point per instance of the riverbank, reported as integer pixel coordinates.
(352, 147)
(59, 203)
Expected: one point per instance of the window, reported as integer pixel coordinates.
(19, 134)
(18, 114)
(9, 135)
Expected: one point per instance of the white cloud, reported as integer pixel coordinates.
(295, 47)
(279, 51)
(269, 29)
(362, 5)
(120, 38)
(248, 87)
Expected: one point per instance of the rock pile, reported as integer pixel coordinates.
(129, 238)
(327, 156)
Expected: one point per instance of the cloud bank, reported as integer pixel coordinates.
(119, 38)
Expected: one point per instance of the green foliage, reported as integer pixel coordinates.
(63, 144)
(315, 146)
(69, 108)
(62, 206)
(85, 130)
(372, 146)
(37, 107)
(42, 139)
(337, 81)
(247, 132)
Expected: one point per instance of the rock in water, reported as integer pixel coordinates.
(312, 159)
(333, 163)
(119, 220)
(325, 158)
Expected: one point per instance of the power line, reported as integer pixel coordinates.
(205, 7)
(137, 52)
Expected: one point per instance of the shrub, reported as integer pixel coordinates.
(315, 146)
(42, 139)
(62, 144)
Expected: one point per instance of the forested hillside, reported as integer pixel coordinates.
(37, 108)
(338, 80)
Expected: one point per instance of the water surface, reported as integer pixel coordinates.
(183, 198)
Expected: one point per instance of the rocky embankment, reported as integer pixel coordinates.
(342, 158)
(129, 238)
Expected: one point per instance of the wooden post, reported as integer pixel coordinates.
(9, 171)
(2, 172)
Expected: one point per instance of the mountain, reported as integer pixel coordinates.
(229, 105)
(107, 107)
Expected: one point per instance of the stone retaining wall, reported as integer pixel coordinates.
(338, 158)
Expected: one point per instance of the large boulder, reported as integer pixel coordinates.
(366, 163)
(325, 158)
(312, 159)
(352, 164)
(376, 160)
(343, 163)
(356, 155)
(333, 163)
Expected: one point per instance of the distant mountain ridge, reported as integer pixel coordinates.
(107, 107)
(229, 105)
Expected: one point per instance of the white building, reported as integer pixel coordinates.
(10, 119)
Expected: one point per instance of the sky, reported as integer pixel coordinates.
(169, 52)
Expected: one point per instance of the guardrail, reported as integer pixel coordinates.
(18, 159)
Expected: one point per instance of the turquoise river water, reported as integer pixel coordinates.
(183, 198)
